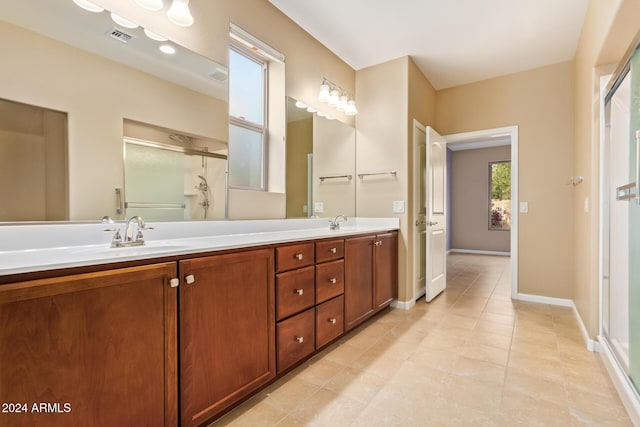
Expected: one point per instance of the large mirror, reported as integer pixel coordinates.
(320, 164)
(124, 111)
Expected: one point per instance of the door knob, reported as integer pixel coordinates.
(432, 223)
(418, 222)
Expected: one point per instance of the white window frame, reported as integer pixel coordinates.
(241, 122)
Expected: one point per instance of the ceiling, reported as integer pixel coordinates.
(452, 42)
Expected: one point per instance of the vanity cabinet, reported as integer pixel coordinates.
(371, 276)
(99, 348)
(227, 337)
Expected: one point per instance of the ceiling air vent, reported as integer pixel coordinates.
(118, 34)
(219, 75)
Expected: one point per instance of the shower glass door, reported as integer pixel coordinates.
(621, 237)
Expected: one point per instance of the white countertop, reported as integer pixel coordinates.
(31, 248)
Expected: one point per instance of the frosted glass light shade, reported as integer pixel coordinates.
(155, 36)
(334, 98)
(122, 21)
(342, 104)
(87, 5)
(180, 14)
(323, 96)
(153, 5)
(351, 108)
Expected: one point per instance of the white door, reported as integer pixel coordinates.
(436, 219)
(420, 203)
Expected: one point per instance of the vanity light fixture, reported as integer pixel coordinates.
(168, 49)
(311, 110)
(153, 5)
(337, 97)
(180, 14)
(87, 5)
(122, 21)
(301, 104)
(154, 36)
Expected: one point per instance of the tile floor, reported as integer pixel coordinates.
(472, 357)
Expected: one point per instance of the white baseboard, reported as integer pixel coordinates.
(476, 252)
(592, 345)
(628, 394)
(403, 305)
(564, 302)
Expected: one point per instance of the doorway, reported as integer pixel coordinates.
(476, 139)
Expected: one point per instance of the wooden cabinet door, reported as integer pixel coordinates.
(358, 286)
(227, 336)
(385, 276)
(99, 348)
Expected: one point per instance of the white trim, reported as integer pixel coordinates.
(477, 252)
(416, 197)
(591, 344)
(627, 393)
(512, 132)
(403, 305)
(604, 80)
(562, 302)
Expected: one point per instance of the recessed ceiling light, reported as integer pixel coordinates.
(87, 5)
(155, 36)
(123, 21)
(168, 49)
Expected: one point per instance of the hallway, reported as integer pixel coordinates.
(472, 357)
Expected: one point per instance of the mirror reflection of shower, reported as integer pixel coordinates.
(173, 176)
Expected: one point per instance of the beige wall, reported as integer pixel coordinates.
(470, 200)
(384, 139)
(299, 145)
(33, 163)
(540, 103)
(608, 29)
(334, 154)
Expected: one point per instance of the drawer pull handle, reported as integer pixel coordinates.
(299, 291)
(333, 250)
(332, 320)
(174, 283)
(190, 279)
(333, 280)
(378, 243)
(300, 339)
(298, 256)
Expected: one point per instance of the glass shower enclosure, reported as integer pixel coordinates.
(620, 320)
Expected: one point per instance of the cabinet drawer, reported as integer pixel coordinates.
(294, 291)
(329, 321)
(329, 250)
(296, 339)
(329, 280)
(294, 256)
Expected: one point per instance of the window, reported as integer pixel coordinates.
(247, 119)
(500, 196)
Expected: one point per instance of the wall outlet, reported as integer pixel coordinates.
(398, 206)
(318, 207)
(524, 207)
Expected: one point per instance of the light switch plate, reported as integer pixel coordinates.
(586, 205)
(398, 206)
(524, 207)
(318, 207)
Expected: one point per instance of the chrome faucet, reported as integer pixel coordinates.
(334, 223)
(136, 222)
